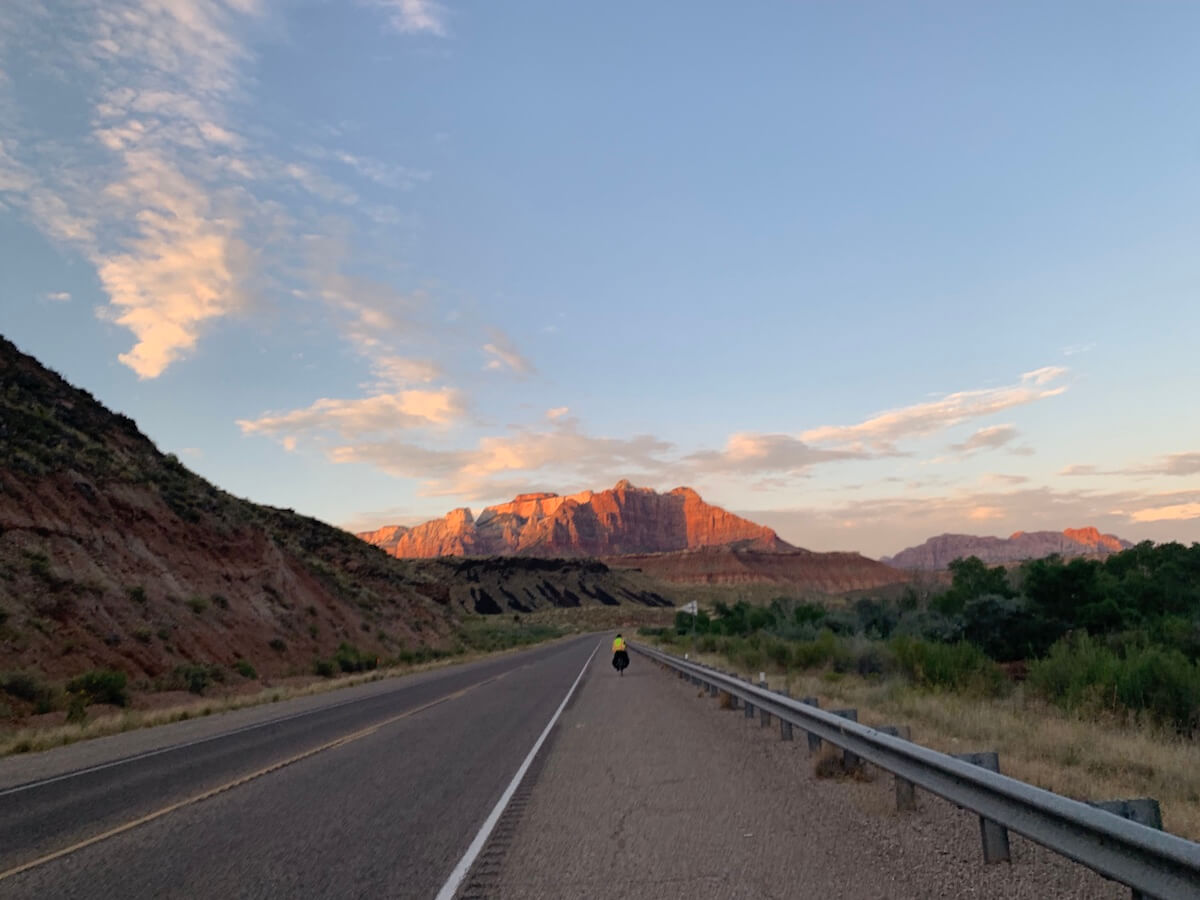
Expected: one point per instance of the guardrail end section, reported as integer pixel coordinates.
(993, 834)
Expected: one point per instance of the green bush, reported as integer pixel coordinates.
(142, 635)
(962, 666)
(137, 593)
(350, 659)
(324, 668)
(278, 645)
(194, 677)
(220, 600)
(1080, 674)
(243, 668)
(101, 686)
(23, 686)
(815, 653)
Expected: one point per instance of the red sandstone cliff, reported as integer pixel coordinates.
(625, 519)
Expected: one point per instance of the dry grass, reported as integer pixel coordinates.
(32, 739)
(1080, 758)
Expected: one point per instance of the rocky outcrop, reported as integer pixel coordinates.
(625, 519)
(938, 552)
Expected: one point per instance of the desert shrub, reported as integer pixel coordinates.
(350, 659)
(197, 604)
(243, 668)
(324, 668)
(278, 645)
(960, 666)
(647, 631)
(76, 707)
(194, 677)
(3, 615)
(815, 653)
(221, 601)
(101, 686)
(23, 686)
(136, 593)
(929, 625)
(1008, 628)
(863, 657)
(142, 635)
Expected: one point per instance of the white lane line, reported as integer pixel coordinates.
(464, 865)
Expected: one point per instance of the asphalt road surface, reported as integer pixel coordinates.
(375, 797)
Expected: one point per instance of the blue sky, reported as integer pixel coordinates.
(866, 272)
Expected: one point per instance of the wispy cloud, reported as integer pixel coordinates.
(356, 418)
(504, 355)
(990, 438)
(1175, 512)
(747, 453)
(416, 16)
(58, 297)
(881, 432)
(1173, 464)
(498, 464)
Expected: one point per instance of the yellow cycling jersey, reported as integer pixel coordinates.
(618, 644)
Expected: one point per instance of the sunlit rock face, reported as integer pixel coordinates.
(938, 552)
(625, 519)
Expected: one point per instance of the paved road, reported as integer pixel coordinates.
(386, 809)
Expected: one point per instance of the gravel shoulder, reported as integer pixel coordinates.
(649, 790)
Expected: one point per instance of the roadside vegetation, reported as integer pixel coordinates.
(1085, 675)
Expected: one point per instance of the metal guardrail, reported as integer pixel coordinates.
(1152, 862)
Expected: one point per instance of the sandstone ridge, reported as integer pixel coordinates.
(622, 520)
(938, 552)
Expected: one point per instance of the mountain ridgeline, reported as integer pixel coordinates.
(624, 519)
(938, 552)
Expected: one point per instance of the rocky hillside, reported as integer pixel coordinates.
(625, 519)
(938, 552)
(115, 555)
(827, 573)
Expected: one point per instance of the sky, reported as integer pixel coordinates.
(864, 272)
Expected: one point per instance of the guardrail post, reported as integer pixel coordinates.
(749, 710)
(994, 835)
(814, 742)
(906, 798)
(764, 716)
(849, 760)
(785, 727)
(1144, 811)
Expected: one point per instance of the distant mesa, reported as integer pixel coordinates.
(622, 520)
(675, 537)
(938, 552)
